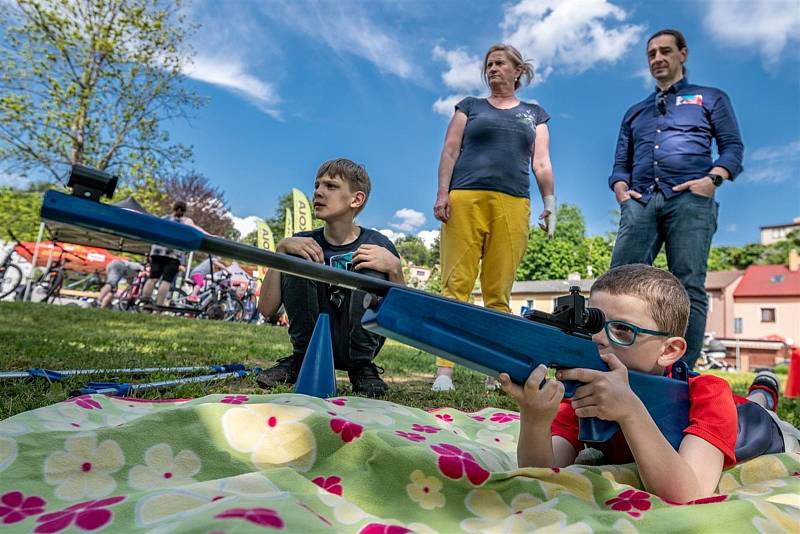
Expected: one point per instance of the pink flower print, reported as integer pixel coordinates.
(631, 501)
(89, 515)
(337, 402)
(704, 500)
(86, 402)
(428, 429)
(15, 507)
(446, 417)
(332, 484)
(453, 463)
(556, 469)
(478, 417)
(264, 517)
(503, 417)
(348, 430)
(410, 436)
(235, 399)
(380, 528)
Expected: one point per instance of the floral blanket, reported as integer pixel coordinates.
(289, 462)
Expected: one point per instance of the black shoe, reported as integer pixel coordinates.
(365, 377)
(284, 372)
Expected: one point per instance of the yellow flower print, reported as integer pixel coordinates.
(162, 469)
(504, 442)
(425, 491)
(777, 520)
(556, 481)
(758, 476)
(8, 452)
(272, 434)
(343, 510)
(525, 514)
(83, 469)
(620, 477)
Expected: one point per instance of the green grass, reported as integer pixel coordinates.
(67, 337)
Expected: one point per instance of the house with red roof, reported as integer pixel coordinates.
(767, 301)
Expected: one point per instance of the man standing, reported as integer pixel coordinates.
(664, 177)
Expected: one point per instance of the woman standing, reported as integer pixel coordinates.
(484, 187)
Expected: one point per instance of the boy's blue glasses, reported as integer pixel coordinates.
(623, 333)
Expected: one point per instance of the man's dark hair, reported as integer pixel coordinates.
(351, 172)
(680, 40)
(179, 205)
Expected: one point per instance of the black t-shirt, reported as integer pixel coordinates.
(340, 255)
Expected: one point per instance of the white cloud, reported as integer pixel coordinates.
(428, 237)
(231, 73)
(447, 106)
(647, 78)
(345, 27)
(391, 234)
(556, 35)
(464, 70)
(244, 225)
(773, 165)
(568, 35)
(409, 219)
(732, 228)
(767, 25)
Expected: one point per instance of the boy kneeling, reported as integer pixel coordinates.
(341, 190)
(646, 312)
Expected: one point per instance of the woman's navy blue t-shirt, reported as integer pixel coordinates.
(497, 147)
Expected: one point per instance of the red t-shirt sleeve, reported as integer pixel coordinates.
(566, 424)
(712, 414)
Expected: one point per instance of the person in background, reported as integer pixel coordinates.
(166, 262)
(198, 275)
(116, 271)
(664, 176)
(484, 187)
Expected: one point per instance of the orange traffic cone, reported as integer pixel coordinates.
(793, 381)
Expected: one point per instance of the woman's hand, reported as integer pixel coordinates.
(441, 209)
(548, 215)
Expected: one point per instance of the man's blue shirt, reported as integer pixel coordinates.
(661, 148)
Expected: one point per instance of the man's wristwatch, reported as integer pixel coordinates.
(716, 179)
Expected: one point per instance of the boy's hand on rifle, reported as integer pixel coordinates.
(377, 258)
(536, 404)
(305, 247)
(604, 394)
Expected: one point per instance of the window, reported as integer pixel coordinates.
(530, 304)
(776, 278)
(737, 325)
(767, 315)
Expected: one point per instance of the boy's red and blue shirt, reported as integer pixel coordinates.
(712, 417)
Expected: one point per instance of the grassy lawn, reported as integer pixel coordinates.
(68, 337)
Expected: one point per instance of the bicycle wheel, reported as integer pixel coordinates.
(54, 291)
(10, 278)
(231, 307)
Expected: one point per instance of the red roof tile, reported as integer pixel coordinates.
(769, 281)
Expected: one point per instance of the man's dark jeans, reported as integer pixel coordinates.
(305, 299)
(685, 225)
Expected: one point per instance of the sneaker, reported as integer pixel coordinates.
(443, 383)
(284, 372)
(366, 379)
(767, 381)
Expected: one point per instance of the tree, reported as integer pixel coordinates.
(19, 212)
(206, 203)
(91, 82)
(413, 250)
(549, 259)
(600, 249)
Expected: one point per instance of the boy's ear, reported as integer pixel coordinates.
(359, 197)
(674, 348)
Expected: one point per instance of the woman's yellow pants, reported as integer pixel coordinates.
(488, 232)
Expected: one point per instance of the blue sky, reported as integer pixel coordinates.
(293, 83)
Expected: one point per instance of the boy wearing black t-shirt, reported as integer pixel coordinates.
(341, 190)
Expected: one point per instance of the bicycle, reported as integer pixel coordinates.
(127, 299)
(217, 301)
(51, 281)
(10, 273)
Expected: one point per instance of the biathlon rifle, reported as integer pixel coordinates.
(485, 340)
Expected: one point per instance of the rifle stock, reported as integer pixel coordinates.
(479, 338)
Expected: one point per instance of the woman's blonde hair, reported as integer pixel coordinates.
(516, 58)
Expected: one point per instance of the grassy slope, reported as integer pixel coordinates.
(67, 337)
